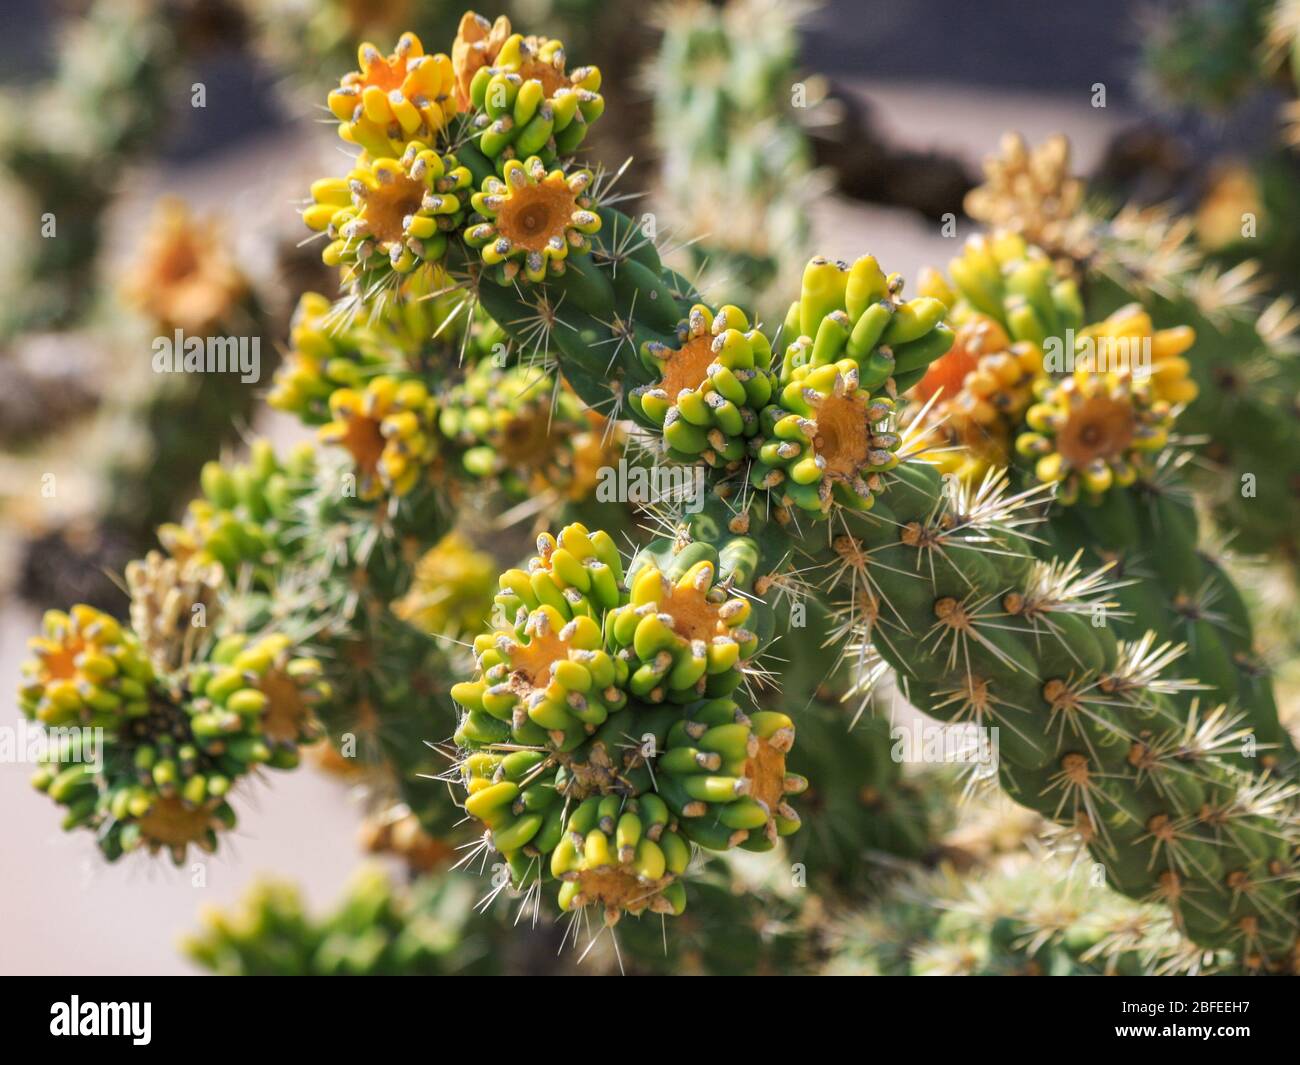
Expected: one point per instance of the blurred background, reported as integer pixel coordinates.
(171, 142)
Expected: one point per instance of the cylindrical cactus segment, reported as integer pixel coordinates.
(1087, 732)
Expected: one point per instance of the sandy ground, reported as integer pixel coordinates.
(61, 908)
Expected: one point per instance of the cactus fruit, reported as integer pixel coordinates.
(391, 99)
(1031, 191)
(1014, 283)
(682, 630)
(172, 604)
(246, 513)
(388, 428)
(972, 399)
(547, 675)
(1126, 342)
(173, 744)
(532, 220)
(186, 277)
(709, 387)
(829, 435)
(86, 670)
(430, 929)
(723, 772)
(451, 589)
(1238, 365)
(1094, 430)
(579, 651)
(525, 432)
(520, 98)
(323, 355)
(390, 214)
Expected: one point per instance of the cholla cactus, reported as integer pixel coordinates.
(622, 708)
(66, 143)
(1033, 192)
(430, 930)
(737, 168)
(1023, 916)
(1238, 379)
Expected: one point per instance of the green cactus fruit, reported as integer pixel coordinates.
(532, 220)
(829, 435)
(1015, 283)
(521, 99)
(682, 629)
(86, 669)
(723, 773)
(1093, 430)
(623, 855)
(548, 677)
(389, 429)
(324, 354)
(247, 514)
(173, 745)
(523, 430)
(451, 589)
(390, 215)
(708, 388)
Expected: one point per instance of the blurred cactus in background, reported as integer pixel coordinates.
(64, 145)
(736, 168)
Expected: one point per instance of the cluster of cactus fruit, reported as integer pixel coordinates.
(616, 716)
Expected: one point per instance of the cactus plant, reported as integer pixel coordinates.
(621, 709)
